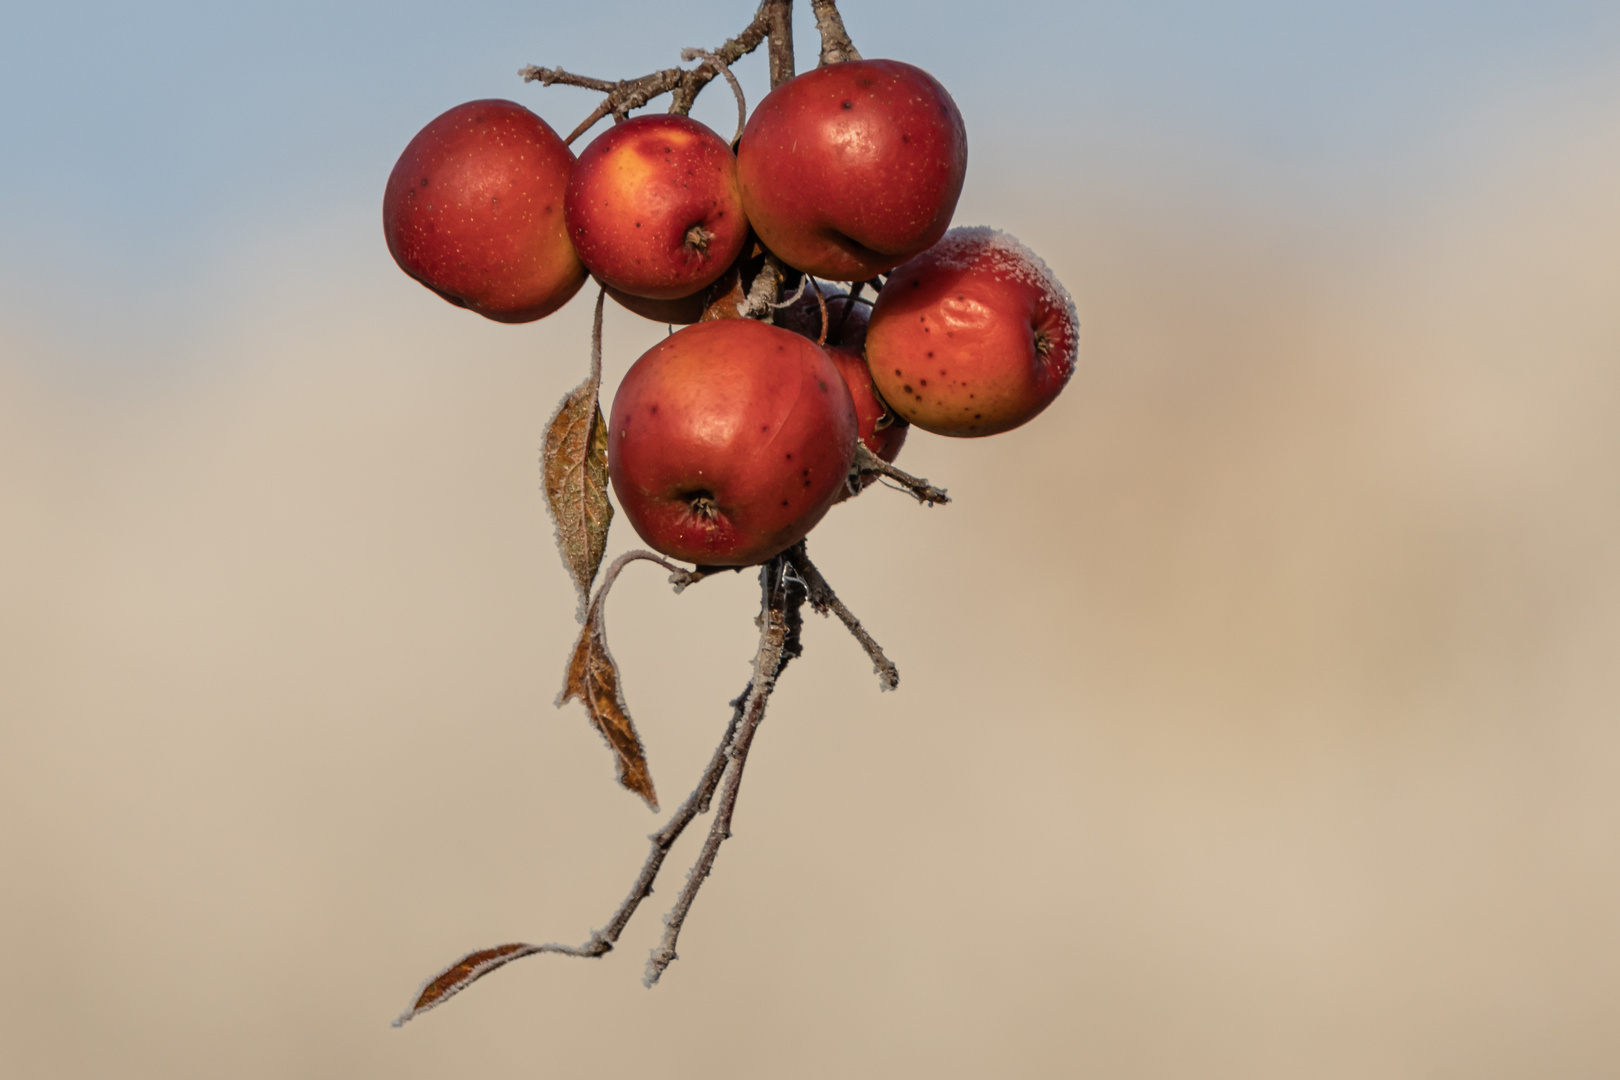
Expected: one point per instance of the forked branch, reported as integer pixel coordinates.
(825, 601)
(683, 84)
(783, 595)
(780, 619)
(868, 462)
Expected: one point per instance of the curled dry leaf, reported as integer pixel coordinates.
(573, 469)
(728, 296)
(462, 974)
(593, 678)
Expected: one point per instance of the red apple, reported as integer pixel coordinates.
(728, 441)
(972, 337)
(653, 208)
(474, 211)
(881, 430)
(852, 168)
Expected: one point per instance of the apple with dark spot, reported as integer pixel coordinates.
(973, 337)
(851, 169)
(474, 211)
(653, 207)
(729, 440)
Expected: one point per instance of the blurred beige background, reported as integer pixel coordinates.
(1257, 715)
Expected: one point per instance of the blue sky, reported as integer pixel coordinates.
(147, 144)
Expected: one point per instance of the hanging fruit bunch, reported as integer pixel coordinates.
(788, 388)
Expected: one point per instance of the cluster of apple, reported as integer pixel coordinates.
(729, 440)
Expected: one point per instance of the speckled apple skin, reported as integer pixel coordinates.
(853, 168)
(755, 416)
(474, 211)
(637, 190)
(952, 343)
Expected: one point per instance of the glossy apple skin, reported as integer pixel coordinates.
(851, 169)
(748, 422)
(637, 194)
(973, 337)
(474, 211)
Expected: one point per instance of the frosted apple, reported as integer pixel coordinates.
(972, 337)
(853, 168)
(653, 207)
(729, 440)
(474, 211)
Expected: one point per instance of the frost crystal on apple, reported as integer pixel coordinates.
(1007, 258)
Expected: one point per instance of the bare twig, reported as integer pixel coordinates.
(782, 596)
(823, 599)
(762, 293)
(781, 620)
(684, 85)
(835, 44)
(779, 18)
(804, 281)
(868, 462)
(736, 87)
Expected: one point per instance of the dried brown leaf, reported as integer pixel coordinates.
(593, 679)
(462, 974)
(573, 470)
(728, 296)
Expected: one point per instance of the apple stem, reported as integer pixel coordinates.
(779, 17)
(736, 88)
(697, 238)
(835, 44)
(821, 302)
(868, 462)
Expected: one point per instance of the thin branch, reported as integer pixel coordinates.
(780, 618)
(823, 599)
(835, 44)
(868, 462)
(589, 122)
(733, 50)
(779, 17)
(763, 292)
(736, 87)
(783, 595)
(804, 281)
(601, 942)
(684, 85)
